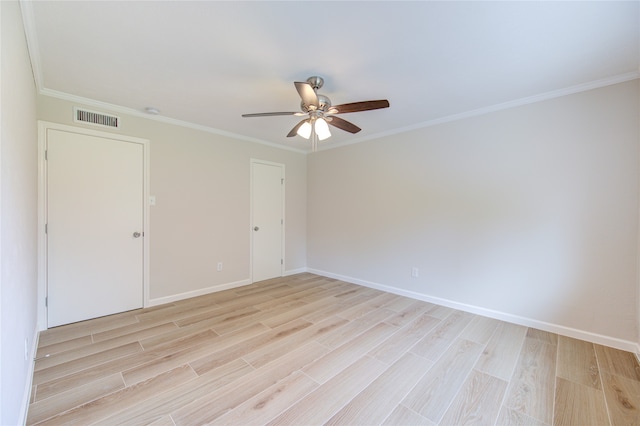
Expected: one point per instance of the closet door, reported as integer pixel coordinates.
(95, 218)
(267, 220)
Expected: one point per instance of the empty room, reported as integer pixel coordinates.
(320, 212)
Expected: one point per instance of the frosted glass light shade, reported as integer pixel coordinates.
(305, 130)
(322, 129)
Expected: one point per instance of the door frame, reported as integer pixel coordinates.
(43, 128)
(253, 161)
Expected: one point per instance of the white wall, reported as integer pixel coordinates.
(529, 213)
(18, 204)
(201, 184)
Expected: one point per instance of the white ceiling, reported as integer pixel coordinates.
(207, 63)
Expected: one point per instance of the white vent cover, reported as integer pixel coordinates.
(81, 115)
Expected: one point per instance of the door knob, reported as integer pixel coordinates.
(255, 228)
(136, 235)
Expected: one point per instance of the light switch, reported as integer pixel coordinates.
(152, 200)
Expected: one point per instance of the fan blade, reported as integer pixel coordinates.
(294, 131)
(344, 125)
(361, 106)
(308, 95)
(269, 114)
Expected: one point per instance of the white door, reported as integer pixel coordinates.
(95, 218)
(267, 219)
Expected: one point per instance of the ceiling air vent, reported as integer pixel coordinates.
(96, 118)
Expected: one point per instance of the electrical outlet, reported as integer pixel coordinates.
(219, 267)
(414, 272)
(26, 349)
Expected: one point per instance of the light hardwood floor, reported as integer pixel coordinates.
(311, 350)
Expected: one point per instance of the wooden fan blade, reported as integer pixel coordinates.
(294, 131)
(361, 106)
(268, 114)
(306, 92)
(344, 125)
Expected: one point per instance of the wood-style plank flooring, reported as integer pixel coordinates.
(306, 350)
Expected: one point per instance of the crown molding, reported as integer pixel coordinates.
(28, 21)
(596, 84)
(160, 118)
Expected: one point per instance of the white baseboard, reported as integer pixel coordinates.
(213, 289)
(600, 339)
(26, 397)
(196, 293)
(294, 271)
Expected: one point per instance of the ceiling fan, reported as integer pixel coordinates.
(319, 112)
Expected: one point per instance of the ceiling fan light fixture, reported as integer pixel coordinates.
(305, 130)
(322, 129)
(320, 112)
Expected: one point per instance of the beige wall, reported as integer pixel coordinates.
(529, 214)
(18, 207)
(201, 184)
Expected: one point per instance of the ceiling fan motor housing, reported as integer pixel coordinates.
(324, 103)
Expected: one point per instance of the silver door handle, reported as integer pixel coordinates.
(255, 228)
(136, 235)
